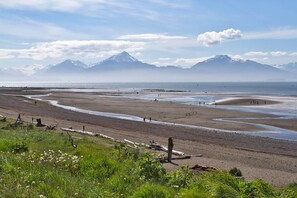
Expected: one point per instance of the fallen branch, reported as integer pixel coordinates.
(203, 168)
(156, 146)
(89, 133)
(130, 143)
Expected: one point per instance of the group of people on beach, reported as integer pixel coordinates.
(150, 119)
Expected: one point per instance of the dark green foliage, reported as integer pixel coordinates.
(20, 147)
(257, 188)
(2, 119)
(235, 172)
(150, 169)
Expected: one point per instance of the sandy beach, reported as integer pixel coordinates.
(270, 159)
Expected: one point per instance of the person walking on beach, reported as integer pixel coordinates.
(150, 119)
(143, 119)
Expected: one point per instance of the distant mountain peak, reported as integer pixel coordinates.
(220, 58)
(123, 57)
(73, 62)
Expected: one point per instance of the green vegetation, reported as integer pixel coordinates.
(38, 163)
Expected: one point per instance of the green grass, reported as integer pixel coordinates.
(38, 163)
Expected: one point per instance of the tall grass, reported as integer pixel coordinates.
(38, 163)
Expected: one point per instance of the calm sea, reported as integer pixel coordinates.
(263, 88)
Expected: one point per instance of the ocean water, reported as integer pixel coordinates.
(256, 88)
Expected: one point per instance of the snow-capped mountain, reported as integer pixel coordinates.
(122, 61)
(123, 57)
(223, 67)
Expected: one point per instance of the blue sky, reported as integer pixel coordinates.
(35, 33)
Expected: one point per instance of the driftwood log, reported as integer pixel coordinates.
(203, 168)
(153, 145)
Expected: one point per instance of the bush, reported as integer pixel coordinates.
(152, 191)
(149, 168)
(3, 119)
(257, 188)
(180, 178)
(235, 172)
(20, 147)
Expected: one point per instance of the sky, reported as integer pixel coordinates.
(36, 33)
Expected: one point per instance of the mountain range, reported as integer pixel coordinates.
(125, 68)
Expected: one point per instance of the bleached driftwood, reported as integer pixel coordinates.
(153, 145)
(156, 146)
(88, 133)
(130, 143)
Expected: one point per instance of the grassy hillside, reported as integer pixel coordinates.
(39, 163)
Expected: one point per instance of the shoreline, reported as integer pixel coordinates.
(269, 131)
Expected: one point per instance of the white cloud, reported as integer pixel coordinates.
(150, 37)
(164, 59)
(57, 5)
(256, 53)
(278, 53)
(74, 48)
(212, 38)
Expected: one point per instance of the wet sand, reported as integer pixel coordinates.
(270, 159)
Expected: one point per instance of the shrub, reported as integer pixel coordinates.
(149, 168)
(3, 119)
(180, 178)
(290, 191)
(123, 152)
(257, 188)
(153, 191)
(20, 147)
(235, 172)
